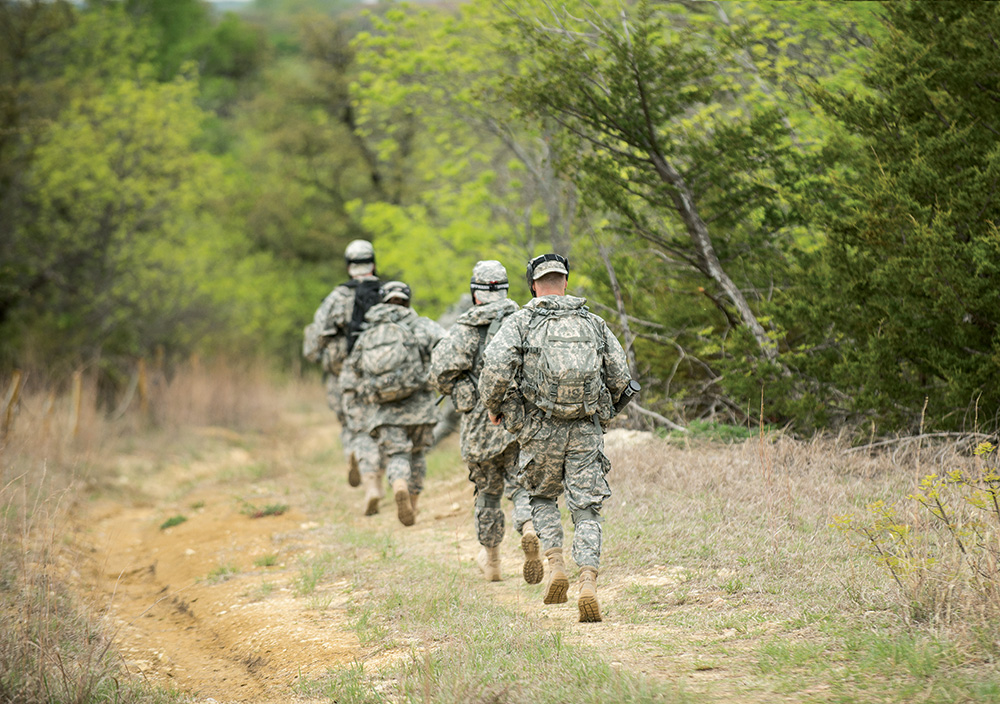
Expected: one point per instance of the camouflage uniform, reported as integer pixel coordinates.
(489, 450)
(449, 418)
(556, 455)
(402, 429)
(332, 318)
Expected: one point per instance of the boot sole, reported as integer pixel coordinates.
(555, 592)
(371, 508)
(590, 611)
(403, 508)
(533, 570)
(354, 474)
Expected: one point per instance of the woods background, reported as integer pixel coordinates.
(786, 210)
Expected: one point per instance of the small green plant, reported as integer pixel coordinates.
(733, 585)
(309, 577)
(261, 592)
(248, 509)
(173, 521)
(221, 573)
(266, 561)
(947, 566)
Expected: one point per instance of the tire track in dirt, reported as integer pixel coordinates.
(209, 607)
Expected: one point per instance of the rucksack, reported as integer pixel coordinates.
(391, 362)
(366, 294)
(564, 357)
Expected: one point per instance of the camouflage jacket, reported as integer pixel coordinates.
(417, 409)
(326, 337)
(456, 362)
(505, 357)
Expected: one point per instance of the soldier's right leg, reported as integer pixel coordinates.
(366, 451)
(396, 447)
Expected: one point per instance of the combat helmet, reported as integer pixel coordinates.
(359, 252)
(395, 290)
(488, 275)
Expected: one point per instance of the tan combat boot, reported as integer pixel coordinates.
(413, 504)
(353, 472)
(404, 509)
(557, 584)
(372, 493)
(533, 569)
(489, 562)
(590, 612)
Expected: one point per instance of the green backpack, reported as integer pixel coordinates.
(564, 357)
(391, 363)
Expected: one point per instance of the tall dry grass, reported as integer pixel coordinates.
(758, 518)
(52, 648)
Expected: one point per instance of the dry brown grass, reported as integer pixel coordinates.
(756, 520)
(54, 650)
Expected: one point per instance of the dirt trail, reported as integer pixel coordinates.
(180, 623)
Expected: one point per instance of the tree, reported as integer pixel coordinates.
(914, 255)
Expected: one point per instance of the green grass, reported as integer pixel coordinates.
(222, 572)
(173, 521)
(253, 511)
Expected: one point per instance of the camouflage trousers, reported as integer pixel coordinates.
(364, 448)
(493, 477)
(401, 448)
(560, 456)
(334, 399)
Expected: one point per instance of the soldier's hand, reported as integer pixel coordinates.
(495, 419)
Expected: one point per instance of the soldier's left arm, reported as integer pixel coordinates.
(453, 357)
(501, 362)
(616, 372)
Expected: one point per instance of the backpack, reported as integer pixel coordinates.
(564, 356)
(366, 294)
(391, 362)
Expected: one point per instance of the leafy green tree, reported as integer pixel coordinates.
(914, 248)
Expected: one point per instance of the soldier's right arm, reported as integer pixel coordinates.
(501, 362)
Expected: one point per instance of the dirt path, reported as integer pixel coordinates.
(210, 606)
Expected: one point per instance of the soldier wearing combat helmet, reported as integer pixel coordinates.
(388, 368)
(488, 449)
(329, 339)
(552, 375)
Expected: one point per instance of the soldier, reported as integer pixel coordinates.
(330, 338)
(552, 375)
(488, 449)
(449, 418)
(389, 368)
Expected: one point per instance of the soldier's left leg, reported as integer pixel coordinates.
(369, 461)
(334, 399)
(532, 569)
(521, 500)
(396, 448)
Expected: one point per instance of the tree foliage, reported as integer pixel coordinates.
(914, 246)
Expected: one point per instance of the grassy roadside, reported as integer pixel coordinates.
(723, 578)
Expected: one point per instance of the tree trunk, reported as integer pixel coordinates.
(698, 231)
